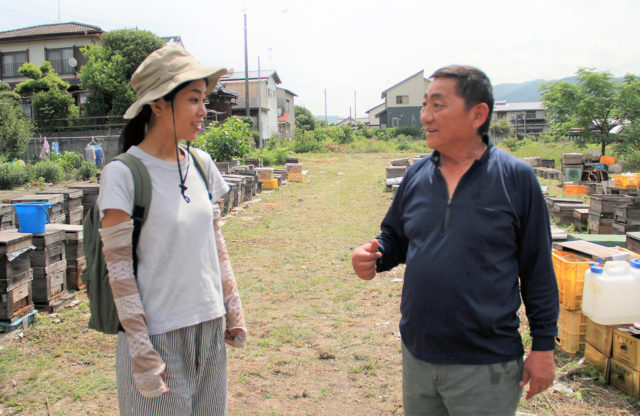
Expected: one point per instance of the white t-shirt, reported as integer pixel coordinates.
(178, 270)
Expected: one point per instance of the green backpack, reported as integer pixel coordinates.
(104, 316)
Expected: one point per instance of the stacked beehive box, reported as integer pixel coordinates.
(598, 347)
(633, 241)
(56, 210)
(572, 167)
(266, 176)
(15, 276)
(8, 219)
(72, 203)
(295, 173)
(73, 252)
(601, 212)
(626, 217)
(625, 362)
(49, 265)
(89, 195)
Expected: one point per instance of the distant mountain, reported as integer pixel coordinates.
(522, 92)
(330, 119)
(526, 91)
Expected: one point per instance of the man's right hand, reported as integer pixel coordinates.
(364, 259)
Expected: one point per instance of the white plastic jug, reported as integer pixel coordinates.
(611, 293)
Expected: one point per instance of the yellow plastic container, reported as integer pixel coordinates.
(270, 184)
(569, 269)
(296, 177)
(571, 330)
(626, 181)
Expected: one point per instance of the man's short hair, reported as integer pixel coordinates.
(472, 85)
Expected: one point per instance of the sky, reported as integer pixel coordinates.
(355, 49)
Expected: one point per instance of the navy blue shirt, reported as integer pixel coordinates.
(470, 259)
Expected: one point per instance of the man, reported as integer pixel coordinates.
(471, 224)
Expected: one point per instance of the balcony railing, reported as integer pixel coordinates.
(11, 70)
(61, 66)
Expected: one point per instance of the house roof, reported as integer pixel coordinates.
(501, 106)
(288, 91)
(56, 29)
(264, 74)
(384, 93)
(375, 108)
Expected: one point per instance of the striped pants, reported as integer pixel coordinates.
(196, 373)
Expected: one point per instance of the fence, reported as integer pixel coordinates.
(105, 124)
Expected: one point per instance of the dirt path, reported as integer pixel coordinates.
(321, 341)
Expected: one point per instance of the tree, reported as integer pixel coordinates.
(226, 141)
(600, 109)
(110, 66)
(50, 99)
(15, 129)
(304, 119)
(501, 128)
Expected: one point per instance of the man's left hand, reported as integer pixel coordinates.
(539, 371)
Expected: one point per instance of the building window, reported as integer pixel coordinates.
(402, 99)
(12, 61)
(395, 122)
(286, 106)
(531, 114)
(59, 59)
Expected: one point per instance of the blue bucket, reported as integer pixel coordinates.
(32, 216)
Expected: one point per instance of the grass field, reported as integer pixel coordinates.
(322, 342)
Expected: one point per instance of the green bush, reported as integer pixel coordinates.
(227, 141)
(49, 170)
(413, 131)
(13, 175)
(306, 141)
(631, 162)
(15, 129)
(87, 170)
(68, 160)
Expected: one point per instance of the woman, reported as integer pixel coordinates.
(170, 359)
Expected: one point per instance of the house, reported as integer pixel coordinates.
(286, 113)
(374, 115)
(57, 43)
(349, 121)
(526, 118)
(403, 102)
(263, 99)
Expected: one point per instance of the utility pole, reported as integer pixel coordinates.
(259, 104)
(326, 119)
(355, 111)
(246, 69)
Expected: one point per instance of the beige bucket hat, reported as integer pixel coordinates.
(165, 69)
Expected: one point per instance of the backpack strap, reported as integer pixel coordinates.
(200, 167)
(141, 197)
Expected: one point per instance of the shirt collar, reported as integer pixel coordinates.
(435, 156)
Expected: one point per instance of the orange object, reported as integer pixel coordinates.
(607, 160)
(571, 189)
(571, 330)
(569, 269)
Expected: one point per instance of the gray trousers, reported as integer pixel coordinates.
(459, 390)
(196, 362)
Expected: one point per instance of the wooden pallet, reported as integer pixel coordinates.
(20, 323)
(56, 304)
